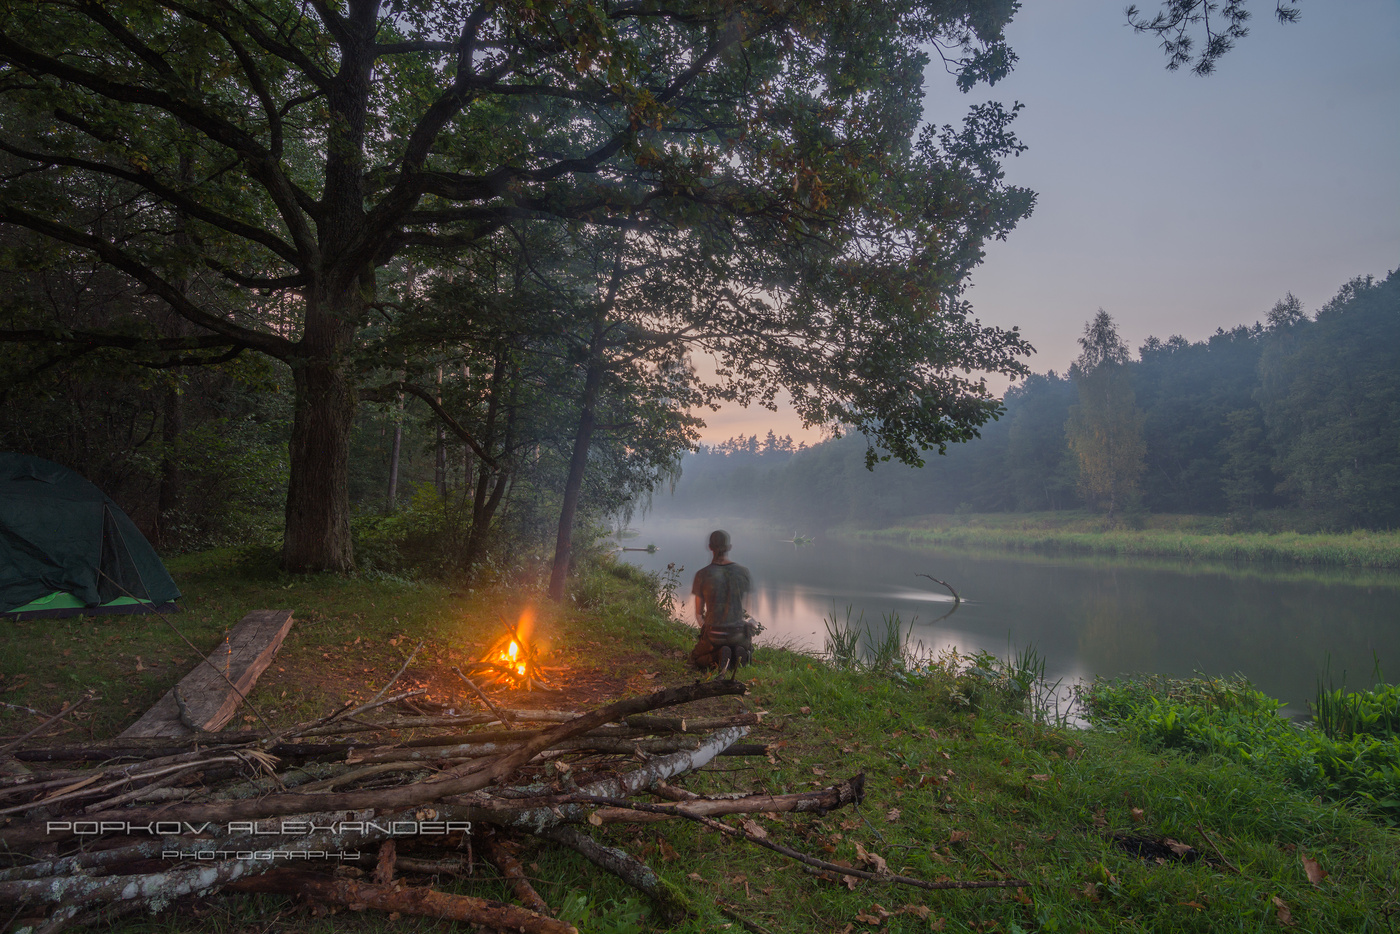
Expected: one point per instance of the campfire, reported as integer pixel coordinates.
(514, 658)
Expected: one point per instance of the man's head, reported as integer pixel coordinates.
(719, 542)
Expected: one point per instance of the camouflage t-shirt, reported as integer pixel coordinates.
(722, 588)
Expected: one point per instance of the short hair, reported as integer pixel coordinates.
(719, 542)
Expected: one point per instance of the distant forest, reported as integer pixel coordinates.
(1293, 422)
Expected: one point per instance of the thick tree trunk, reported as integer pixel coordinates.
(573, 487)
(317, 534)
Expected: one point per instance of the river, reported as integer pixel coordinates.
(1276, 625)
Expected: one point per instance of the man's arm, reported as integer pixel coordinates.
(699, 611)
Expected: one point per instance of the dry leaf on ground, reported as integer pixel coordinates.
(754, 829)
(874, 860)
(1315, 872)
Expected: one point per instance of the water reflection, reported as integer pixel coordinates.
(1088, 616)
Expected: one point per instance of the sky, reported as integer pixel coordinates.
(1178, 203)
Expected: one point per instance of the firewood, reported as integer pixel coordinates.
(670, 902)
(67, 709)
(384, 868)
(504, 717)
(412, 900)
(694, 724)
(850, 791)
(454, 781)
(510, 867)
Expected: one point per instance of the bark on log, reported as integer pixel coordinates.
(694, 724)
(384, 867)
(514, 873)
(669, 901)
(406, 900)
(536, 815)
(218, 684)
(851, 791)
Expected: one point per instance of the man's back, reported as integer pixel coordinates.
(721, 589)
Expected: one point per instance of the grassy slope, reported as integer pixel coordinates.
(1168, 536)
(1000, 790)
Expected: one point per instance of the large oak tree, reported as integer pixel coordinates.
(269, 158)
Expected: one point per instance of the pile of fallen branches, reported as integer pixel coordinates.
(343, 809)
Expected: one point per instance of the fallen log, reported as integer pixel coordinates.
(413, 900)
(537, 814)
(670, 901)
(219, 683)
(850, 791)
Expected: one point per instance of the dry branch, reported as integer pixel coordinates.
(406, 900)
(67, 709)
(670, 902)
(511, 869)
(500, 714)
(850, 791)
(794, 854)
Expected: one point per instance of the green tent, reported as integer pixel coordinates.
(66, 549)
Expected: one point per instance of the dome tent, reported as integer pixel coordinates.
(67, 549)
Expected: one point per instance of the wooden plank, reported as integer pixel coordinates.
(242, 658)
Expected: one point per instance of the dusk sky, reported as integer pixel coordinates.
(1177, 203)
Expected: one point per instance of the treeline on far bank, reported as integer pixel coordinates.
(1288, 424)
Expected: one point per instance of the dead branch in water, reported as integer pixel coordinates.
(956, 598)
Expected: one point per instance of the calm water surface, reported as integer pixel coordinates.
(1086, 616)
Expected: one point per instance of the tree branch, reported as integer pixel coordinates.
(113, 255)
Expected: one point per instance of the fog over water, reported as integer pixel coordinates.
(1086, 616)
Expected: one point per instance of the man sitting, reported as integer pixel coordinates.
(726, 635)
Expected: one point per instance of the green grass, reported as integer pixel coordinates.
(959, 783)
(1190, 537)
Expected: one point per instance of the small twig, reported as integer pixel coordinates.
(37, 713)
(873, 829)
(956, 598)
(988, 858)
(319, 727)
(501, 714)
(67, 709)
(397, 675)
(1201, 827)
(791, 853)
(731, 911)
(139, 792)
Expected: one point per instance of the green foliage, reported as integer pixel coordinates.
(1289, 427)
(1343, 714)
(417, 539)
(588, 913)
(1104, 431)
(1330, 392)
(1229, 718)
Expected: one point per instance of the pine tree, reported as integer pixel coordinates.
(1104, 430)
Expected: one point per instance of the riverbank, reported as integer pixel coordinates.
(959, 783)
(1191, 537)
